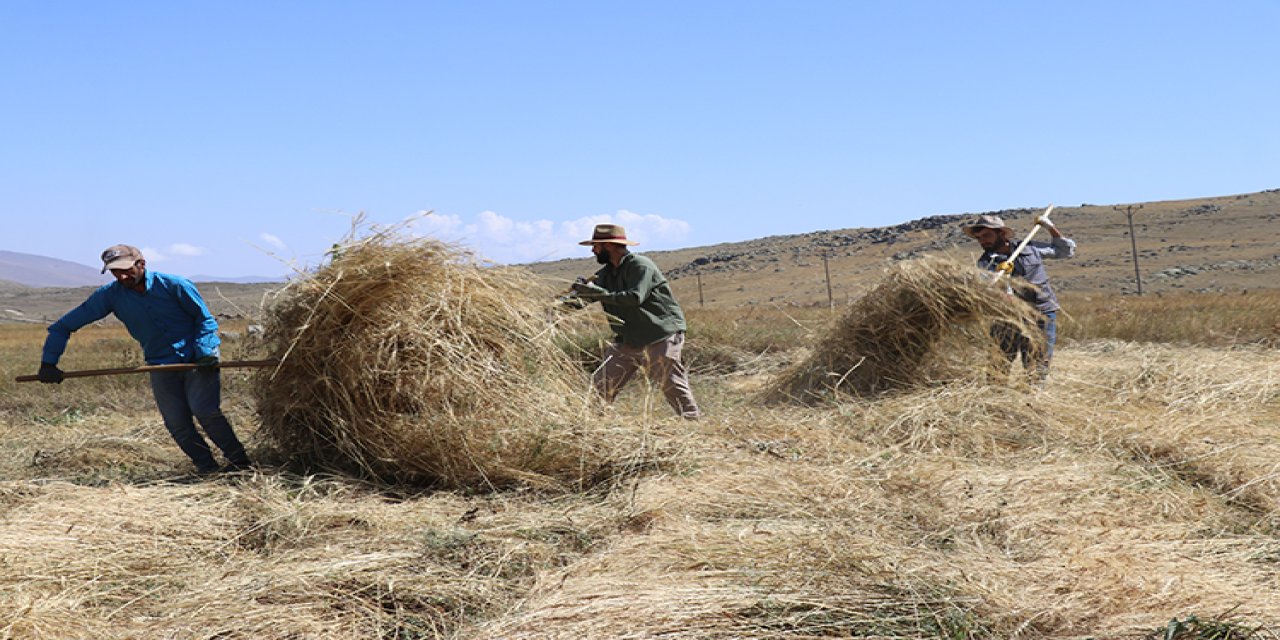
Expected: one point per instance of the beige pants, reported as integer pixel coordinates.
(662, 364)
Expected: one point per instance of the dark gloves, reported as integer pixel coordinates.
(589, 290)
(50, 373)
(571, 303)
(207, 362)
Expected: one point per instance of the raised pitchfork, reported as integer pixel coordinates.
(185, 366)
(1006, 268)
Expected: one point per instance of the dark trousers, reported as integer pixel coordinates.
(1014, 344)
(186, 396)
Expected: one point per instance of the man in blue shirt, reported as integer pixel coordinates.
(167, 316)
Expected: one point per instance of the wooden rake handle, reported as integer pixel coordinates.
(1006, 268)
(188, 366)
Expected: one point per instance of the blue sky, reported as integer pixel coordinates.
(239, 138)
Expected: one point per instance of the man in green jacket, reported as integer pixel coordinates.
(647, 322)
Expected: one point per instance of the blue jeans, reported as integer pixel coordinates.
(184, 395)
(1050, 326)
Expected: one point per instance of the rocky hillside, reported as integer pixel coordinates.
(1216, 244)
(1208, 244)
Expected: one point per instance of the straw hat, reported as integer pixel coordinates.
(989, 222)
(608, 233)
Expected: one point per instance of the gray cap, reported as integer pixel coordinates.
(120, 256)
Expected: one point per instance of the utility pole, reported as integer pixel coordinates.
(701, 303)
(1133, 241)
(831, 303)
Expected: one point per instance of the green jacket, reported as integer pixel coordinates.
(642, 310)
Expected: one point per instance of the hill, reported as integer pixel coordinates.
(30, 270)
(1216, 244)
(41, 271)
(46, 304)
(1222, 243)
(202, 278)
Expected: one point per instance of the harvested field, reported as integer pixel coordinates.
(1135, 495)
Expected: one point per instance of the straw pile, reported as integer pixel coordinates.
(406, 361)
(928, 321)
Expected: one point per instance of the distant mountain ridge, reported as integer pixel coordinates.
(238, 280)
(40, 271)
(29, 270)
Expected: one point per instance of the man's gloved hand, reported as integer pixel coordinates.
(589, 290)
(207, 362)
(50, 373)
(571, 303)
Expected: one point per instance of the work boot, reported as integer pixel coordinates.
(238, 466)
(207, 469)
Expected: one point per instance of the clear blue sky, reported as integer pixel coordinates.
(214, 134)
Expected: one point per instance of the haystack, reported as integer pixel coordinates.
(928, 321)
(405, 360)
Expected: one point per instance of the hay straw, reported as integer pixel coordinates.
(1138, 485)
(406, 361)
(928, 321)
(261, 558)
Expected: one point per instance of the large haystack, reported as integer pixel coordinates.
(929, 320)
(406, 361)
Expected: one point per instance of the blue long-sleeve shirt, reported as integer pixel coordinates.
(170, 320)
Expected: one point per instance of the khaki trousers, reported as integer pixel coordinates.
(662, 364)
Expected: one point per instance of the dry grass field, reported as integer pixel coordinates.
(1135, 495)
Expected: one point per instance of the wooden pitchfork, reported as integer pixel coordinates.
(185, 366)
